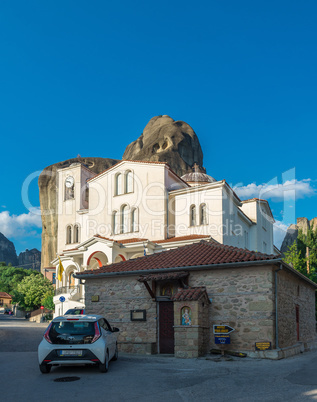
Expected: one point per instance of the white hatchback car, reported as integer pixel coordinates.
(80, 339)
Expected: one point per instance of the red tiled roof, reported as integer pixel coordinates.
(189, 294)
(133, 240)
(181, 238)
(163, 276)
(5, 294)
(202, 253)
(101, 237)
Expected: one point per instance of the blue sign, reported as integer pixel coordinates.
(62, 299)
(222, 339)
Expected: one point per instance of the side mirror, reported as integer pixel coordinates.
(114, 329)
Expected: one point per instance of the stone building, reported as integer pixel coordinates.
(169, 302)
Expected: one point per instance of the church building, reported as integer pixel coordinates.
(138, 208)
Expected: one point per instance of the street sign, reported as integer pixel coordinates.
(222, 329)
(42, 307)
(62, 299)
(222, 339)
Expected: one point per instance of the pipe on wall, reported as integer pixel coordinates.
(276, 312)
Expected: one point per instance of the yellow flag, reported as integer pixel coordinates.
(60, 270)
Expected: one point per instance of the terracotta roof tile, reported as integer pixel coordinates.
(202, 253)
(181, 238)
(133, 240)
(189, 294)
(101, 237)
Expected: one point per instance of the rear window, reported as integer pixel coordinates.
(81, 331)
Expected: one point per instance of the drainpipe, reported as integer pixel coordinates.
(276, 312)
(167, 212)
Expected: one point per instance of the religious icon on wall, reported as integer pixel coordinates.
(167, 290)
(186, 316)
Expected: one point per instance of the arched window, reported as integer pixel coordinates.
(134, 220)
(118, 184)
(124, 219)
(192, 216)
(202, 214)
(76, 234)
(71, 279)
(68, 234)
(128, 182)
(115, 222)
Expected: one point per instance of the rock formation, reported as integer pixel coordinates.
(302, 224)
(7, 251)
(47, 186)
(166, 140)
(30, 259)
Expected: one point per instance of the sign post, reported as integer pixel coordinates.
(62, 299)
(222, 336)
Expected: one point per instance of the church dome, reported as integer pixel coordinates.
(197, 177)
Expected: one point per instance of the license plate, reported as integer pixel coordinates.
(70, 352)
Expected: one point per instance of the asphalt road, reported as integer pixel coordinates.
(149, 378)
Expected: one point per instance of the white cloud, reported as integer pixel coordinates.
(290, 189)
(14, 226)
(279, 232)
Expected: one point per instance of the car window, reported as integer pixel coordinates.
(104, 324)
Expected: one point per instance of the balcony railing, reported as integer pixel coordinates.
(66, 289)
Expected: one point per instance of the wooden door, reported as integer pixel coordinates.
(166, 327)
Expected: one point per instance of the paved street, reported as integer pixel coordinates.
(153, 378)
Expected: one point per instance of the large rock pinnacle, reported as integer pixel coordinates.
(166, 140)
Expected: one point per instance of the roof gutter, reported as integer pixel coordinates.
(173, 269)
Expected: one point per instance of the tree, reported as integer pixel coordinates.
(47, 300)
(295, 258)
(32, 291)
(302, 254)
(10, 277)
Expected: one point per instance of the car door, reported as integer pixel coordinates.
(108, 336)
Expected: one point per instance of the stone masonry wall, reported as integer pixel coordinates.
(242, 298)
(117, 296)
(192, 341)
(291, 292)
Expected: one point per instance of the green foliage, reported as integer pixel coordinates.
(10, 277)
(296, 254)
(47, 300)
(32, 291)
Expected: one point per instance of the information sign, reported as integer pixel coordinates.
(222, 339)
(222, 329)
(263, 346)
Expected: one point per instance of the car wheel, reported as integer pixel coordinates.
(115, 356)
(103, 367)
(45, 368)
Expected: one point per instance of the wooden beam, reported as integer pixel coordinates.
(149, 290)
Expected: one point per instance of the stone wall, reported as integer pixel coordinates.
(291, 292)
(242, 298)
(192, 341)
(117, 296)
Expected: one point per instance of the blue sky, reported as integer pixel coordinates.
(80, 77)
